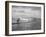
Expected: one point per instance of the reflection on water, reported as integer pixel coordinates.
(31, 24)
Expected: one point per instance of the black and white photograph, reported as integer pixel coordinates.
(25, 18)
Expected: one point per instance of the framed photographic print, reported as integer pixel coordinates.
(24, 18)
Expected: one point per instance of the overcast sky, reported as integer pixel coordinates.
(26, 11)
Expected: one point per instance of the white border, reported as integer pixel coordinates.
(29, 31)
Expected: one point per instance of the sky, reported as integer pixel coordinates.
(26, 11)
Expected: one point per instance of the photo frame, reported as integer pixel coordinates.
(24, 18)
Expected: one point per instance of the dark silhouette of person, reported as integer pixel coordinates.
(18, 20)
(18, 24)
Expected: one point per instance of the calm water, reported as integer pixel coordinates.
(30, 25)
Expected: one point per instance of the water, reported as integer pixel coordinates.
(30, 25)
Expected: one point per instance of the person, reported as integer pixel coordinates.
(18, 20)
(18, 24)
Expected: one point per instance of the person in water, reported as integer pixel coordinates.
(18, 20)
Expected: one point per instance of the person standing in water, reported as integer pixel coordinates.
(18, 20)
